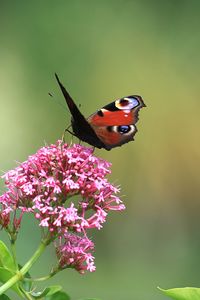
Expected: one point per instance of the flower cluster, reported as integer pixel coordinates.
(72, 251)
(46, 185)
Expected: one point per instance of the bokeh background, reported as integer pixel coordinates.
(103, 50)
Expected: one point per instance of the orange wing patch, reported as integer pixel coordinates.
(108, 138)
(109, 118)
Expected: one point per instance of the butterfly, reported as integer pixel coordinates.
(111, 126)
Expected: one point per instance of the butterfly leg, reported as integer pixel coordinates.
(67, 130)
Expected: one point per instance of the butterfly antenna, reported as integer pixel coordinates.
(61, 105)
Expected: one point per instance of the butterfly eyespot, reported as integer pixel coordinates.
(124, 128)
(123, 102)
(134, 101)
(126, 103)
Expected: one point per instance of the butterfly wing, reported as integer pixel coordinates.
(81, 128)
(114, 124)
(109, 127)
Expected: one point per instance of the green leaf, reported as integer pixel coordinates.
(58, 296)
(5, 275)
(6, 259)
(186, 293)
(49, 291)
(4, 297)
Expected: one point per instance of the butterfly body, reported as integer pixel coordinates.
(109, 127)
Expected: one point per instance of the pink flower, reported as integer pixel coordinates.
(73, 251)
(45, 184)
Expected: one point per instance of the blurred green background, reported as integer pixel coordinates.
(103, 50)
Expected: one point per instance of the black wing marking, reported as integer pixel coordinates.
(81, 127)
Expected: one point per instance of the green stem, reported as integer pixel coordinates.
(13, 250)
(35, 256)
(27, 295)
(20, 274)
(42, 278)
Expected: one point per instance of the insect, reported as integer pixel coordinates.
(111, 126)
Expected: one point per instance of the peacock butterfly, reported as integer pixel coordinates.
(111, 126)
